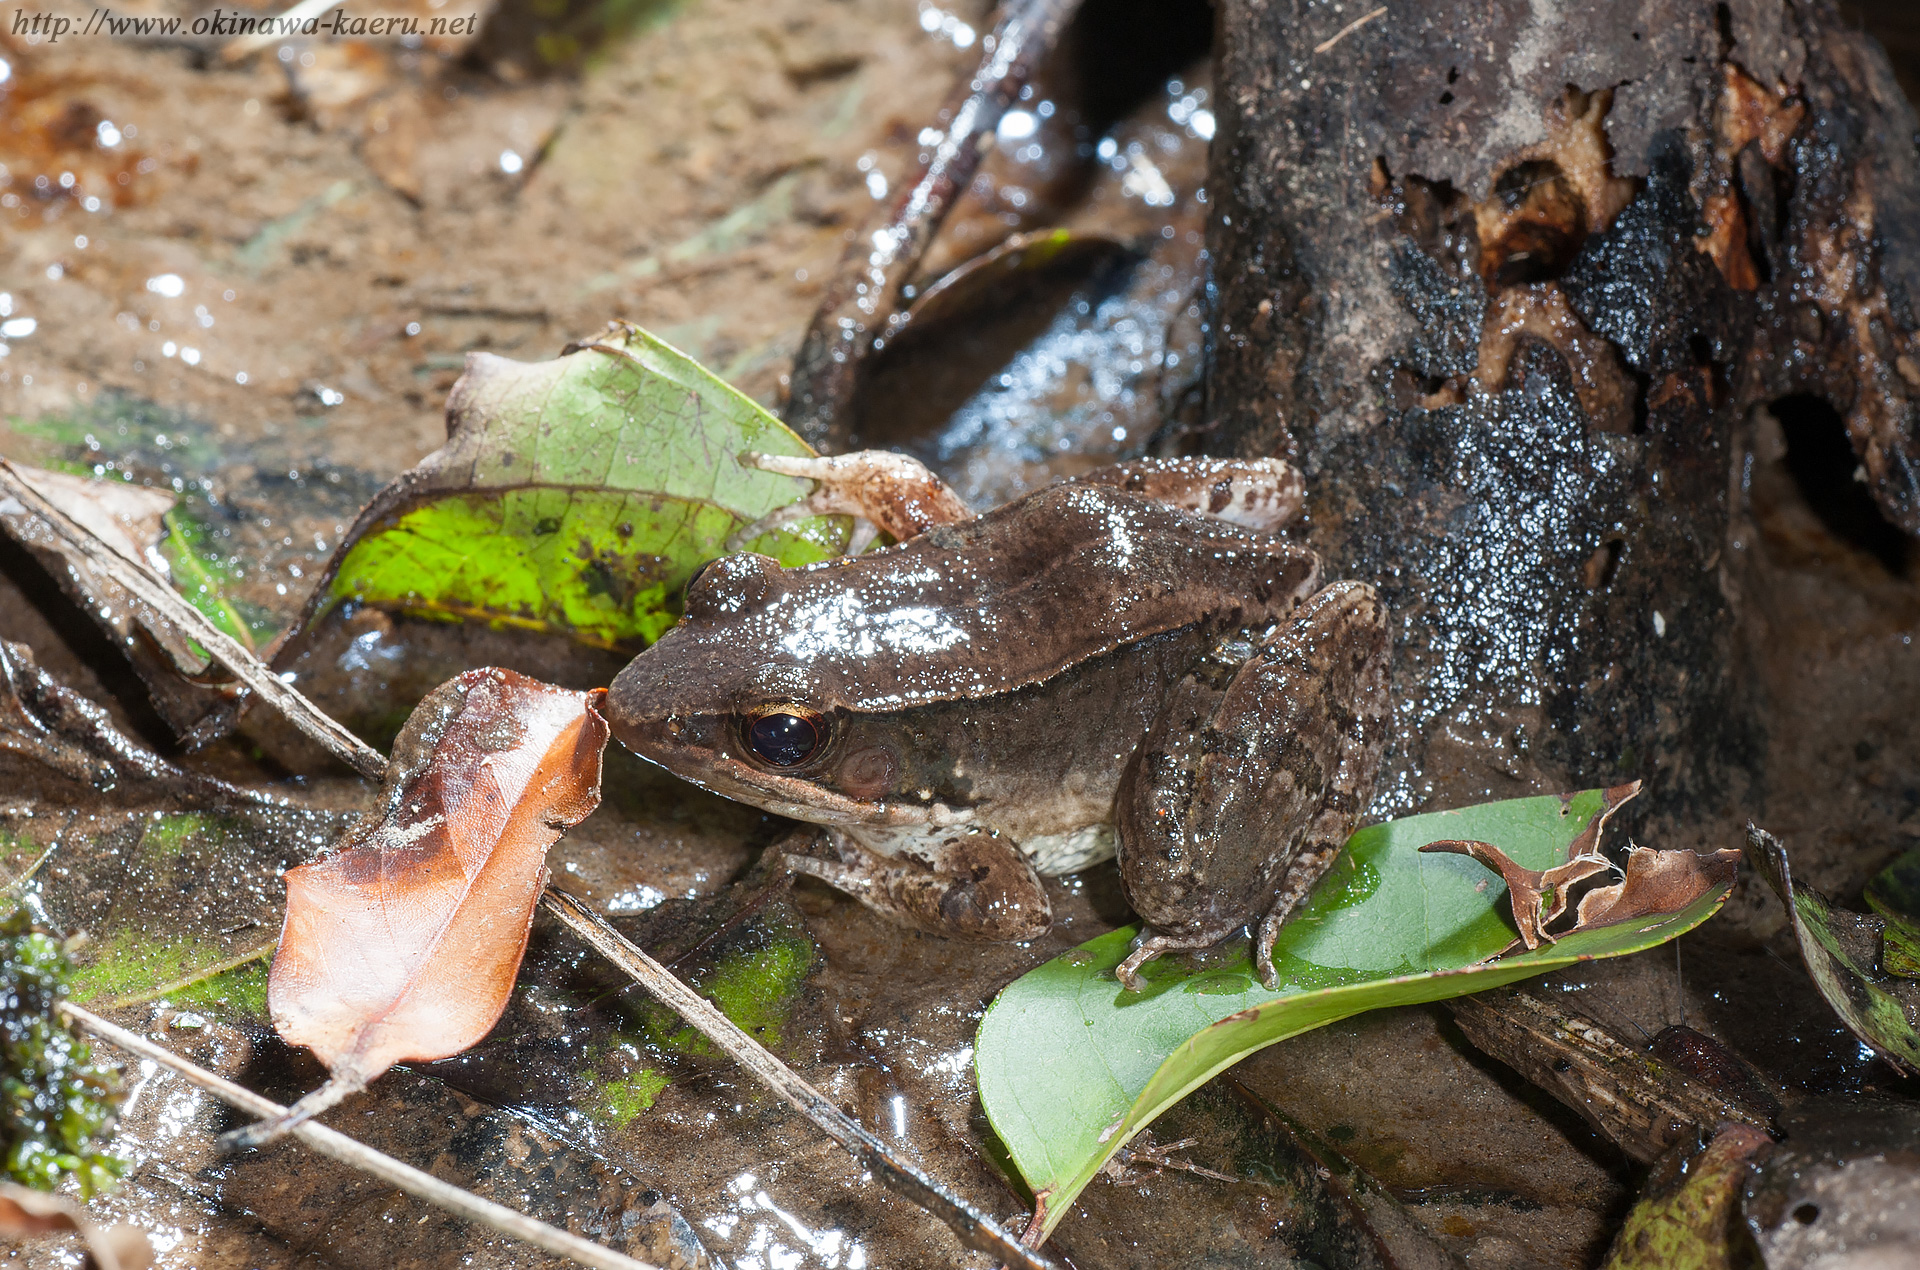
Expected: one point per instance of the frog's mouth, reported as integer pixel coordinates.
(697, 751)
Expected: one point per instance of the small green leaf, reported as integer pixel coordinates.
(1689, 1213)
(575, 496)
(1071, 1066)
(1843, 951)
(200, 576)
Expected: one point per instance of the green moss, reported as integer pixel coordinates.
(168, 835)
(620, 1102)
(56, 1106)
(756, 990)
(753, 987)
(131, 964)
(241, 990)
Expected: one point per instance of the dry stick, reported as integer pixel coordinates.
(975, 1229)
(862, 302)
(149, 590)
(359, 1155)
(1348, 29)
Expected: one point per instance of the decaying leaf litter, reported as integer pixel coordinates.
(1434, 1204)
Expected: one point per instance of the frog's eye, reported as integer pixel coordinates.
(784, 739)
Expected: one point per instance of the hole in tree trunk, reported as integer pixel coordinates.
(1824, 466)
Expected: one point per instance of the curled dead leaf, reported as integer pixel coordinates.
(25, 1212)
(404, 944)
(1538, 896)
(1654, 883)
(128, 520)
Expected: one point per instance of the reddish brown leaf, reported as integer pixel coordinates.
(404, 944)
(1657, 882)
(26, 1212)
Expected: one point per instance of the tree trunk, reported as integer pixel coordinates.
(1509, 282)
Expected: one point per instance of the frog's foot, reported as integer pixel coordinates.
(887, 491)
(1149, 944)
(1263, 494)
(1143, 1155)
(964, 883)
(1318, 850)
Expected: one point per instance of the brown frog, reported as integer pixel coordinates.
(1129, 662)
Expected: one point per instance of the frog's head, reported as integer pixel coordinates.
(734, 700)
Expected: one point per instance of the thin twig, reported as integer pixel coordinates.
(1348, 29)
(901, 1175)
(140, 583)
(359, 1155)
(862, 302)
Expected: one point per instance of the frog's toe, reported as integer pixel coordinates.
(1263, 938)
(1147, 945)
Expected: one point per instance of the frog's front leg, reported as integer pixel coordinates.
(1263, 494)
(888, 491)
(1246, 787)
(960, 881)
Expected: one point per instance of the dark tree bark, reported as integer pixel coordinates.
(1508, 280)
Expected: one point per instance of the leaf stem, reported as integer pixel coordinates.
(357, 1154)
(900, 1174)
(149, 590)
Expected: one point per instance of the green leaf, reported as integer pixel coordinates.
(1070, 1066)
(1842, 951)
(1688, 1217)
(575, 496)
(200, 576)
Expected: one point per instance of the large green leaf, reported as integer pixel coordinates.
(1071, 1066)
(575, 496)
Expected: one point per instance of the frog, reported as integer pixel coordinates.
(1135, 662)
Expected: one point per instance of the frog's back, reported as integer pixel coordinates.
(1010, 599)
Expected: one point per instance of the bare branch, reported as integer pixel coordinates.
(357, 1154)
(862, 302)
(140, 583)
(901, 1175)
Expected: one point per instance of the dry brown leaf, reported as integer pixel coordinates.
(404, 945)
(25, 1212)
(127, 519)
(1656, 882)
(1537, 897)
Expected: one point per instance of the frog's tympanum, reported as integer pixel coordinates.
(1128, 662)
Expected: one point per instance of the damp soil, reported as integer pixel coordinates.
(256, 289)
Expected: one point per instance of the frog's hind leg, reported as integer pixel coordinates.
(887, 491)
(1353, 685)
(963, 882)
(1262, 494)
(1243, 791)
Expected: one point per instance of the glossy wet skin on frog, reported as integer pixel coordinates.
(986, 700)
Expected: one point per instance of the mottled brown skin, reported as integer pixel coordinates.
(990, 695)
